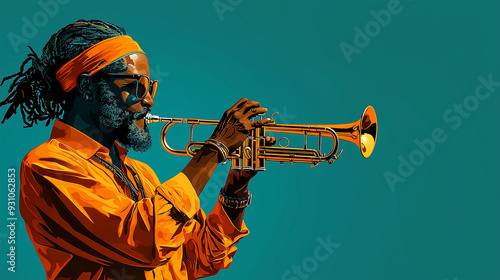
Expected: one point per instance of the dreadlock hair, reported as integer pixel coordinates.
(36, 91)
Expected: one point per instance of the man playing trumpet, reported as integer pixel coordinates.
(90, 210)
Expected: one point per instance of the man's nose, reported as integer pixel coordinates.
(147, 101)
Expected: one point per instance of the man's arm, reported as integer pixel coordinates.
(201, 167)
(237, 186)
(84, 214)
(233, 128)
(211, 242)
(236, 183)
(210, 239)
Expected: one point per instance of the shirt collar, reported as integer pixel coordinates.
(82, 144)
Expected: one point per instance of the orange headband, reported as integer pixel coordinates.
(95, 58)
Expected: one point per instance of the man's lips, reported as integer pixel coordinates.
(138, 118)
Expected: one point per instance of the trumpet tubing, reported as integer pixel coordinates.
(253, 154)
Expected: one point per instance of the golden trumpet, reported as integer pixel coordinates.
(253, 153)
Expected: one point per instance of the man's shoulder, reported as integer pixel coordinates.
(50, 151)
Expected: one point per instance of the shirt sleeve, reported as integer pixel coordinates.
(210, 242)
(80, 213)
(209, 239)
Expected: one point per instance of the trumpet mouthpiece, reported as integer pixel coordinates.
(150, 118)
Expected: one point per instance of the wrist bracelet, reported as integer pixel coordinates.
(234, 202)
(221, 147)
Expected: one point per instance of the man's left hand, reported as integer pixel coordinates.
(237, 180)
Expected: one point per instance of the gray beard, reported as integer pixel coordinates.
(122, 121)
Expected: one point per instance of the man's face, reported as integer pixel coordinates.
(120, 108)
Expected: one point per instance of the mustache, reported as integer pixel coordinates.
(135, 116)
(142, 113)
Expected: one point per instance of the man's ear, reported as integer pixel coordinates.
(85, 86)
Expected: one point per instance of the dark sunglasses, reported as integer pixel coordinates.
(142, 83)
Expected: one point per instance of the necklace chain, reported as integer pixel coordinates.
(119, 173)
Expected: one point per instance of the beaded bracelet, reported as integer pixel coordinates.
(234, 202)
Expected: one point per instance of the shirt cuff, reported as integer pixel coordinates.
(220, 222)
(180, 192)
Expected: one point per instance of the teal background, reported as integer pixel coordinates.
(442, 222)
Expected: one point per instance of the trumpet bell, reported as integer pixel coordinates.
(368, 131)
(363, 132)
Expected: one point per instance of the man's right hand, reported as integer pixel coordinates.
(235, 124)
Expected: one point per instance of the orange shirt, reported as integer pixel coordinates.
(84, 225)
